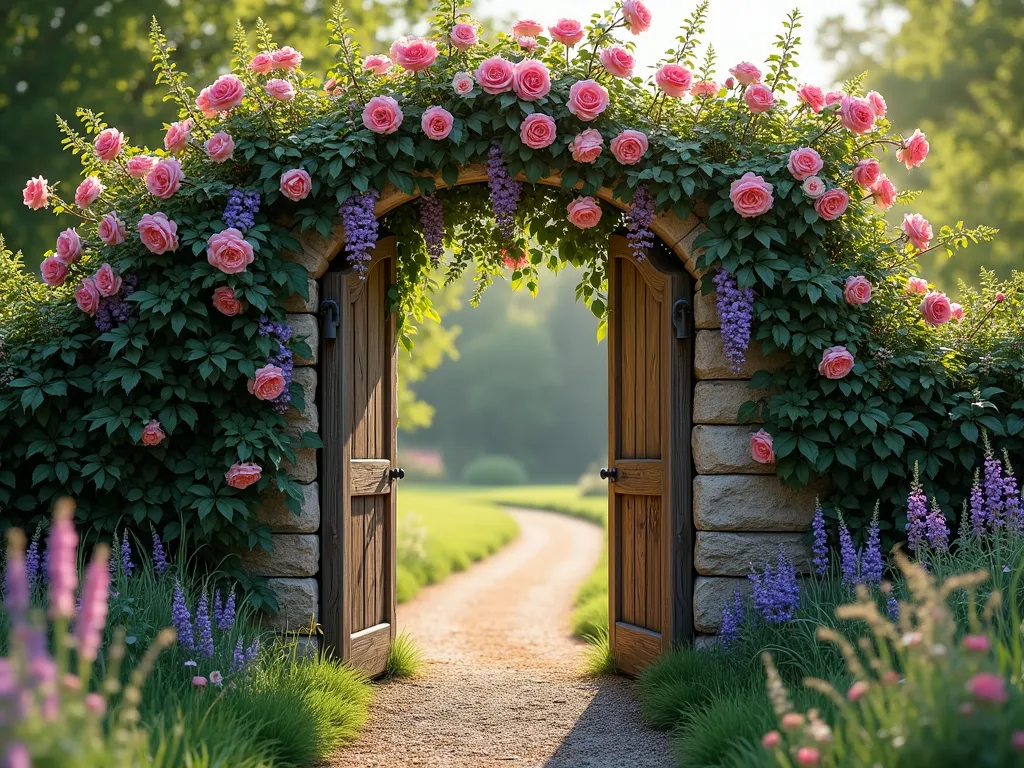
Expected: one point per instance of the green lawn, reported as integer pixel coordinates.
(557, 498)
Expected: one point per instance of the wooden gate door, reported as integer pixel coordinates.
(359, 411)
(650, 375)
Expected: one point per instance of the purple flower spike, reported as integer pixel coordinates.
(33, 559)
(160, 564)
(127, 566)
(848, 558)
(820, 546)
(992, 488)
(252, 651)
(736, 312)
(238, 659)
(432, 224)
(62, 549)
(776, 592)
(182, 620)
(732, 620)
(504, 192)
(283, 358)
(226, 620)
(1012, 498)
(360, 222)
(936, 529)
(16, 580)
(917, 513)
(204, 643)
(638, 223)
(892, 608)
(872, 565)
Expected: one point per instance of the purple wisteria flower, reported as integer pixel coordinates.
(114, 310)
(204, 644)
(181, 619)
(282, 358)
(892, 609)
(872, 566)
(849, 559)
(820, 546)
(979, 517)
(638, 223)
(241, 209)
(736, 313)
(776, 591)
(360, 222)
(160, 564)
(504, 192)
(432, 224)
(917, 513)
(732, 621)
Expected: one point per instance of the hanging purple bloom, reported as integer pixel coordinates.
(360, 222)
(241, 209)
(204, 643)
(238, 659)
(114, 310)
(638, 223)
(892, 608)
(160, 564)
(736, 313)
(181, 619)
(776, 591)
(283, 358)
(732, 620)
(820, 546)
(504, 192)
(917, 513)
(432, 224)
(936, 529)
(127, 566)
(848, 558)
(872, 565)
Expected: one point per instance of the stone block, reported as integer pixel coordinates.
(725, 450)
(719, 401)
(307, 420)
(709, 359)
(751, 503)
(293, 554)
(711, 594)
(705, 310)
(307, 377)
(273, 511)
(299, 605)
(719, 553)
(304, 468)
(706, 642)
(295, 302)
(687, 242)
(305, 328)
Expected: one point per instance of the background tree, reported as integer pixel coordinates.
(952, 68)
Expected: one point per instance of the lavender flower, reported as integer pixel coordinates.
(252, 651)
(238, 659)
(936, 529)
(1012, 498)
(917, 513)
(732, 620)
(776, 592)
(360, 222)
(872, 565)
(160, 564)
(92, 617)
(182, 619)
(225, 617)
(992, 487)
(638, 223)
(33, 563)
(892, 608)
(241, 209)
(204, 644)
(432, 224)
(283, 358)
(848, 558)
(736, 313)
(820, 546)
(504, 192)
(127, 566)
(977, 503)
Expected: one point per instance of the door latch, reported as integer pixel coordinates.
(397, 473)
(330, 316)
(681, 311)
(609, 474)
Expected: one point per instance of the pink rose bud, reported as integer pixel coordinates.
(629, 147)
(867, 172)
(220, 147)
(857, 115)
(814, 187)
(877, 103)
(37, 193)
(884, 192)
(140, 166)
(674, 80)
(762, 447)
(587, 99)
(108, 282)
(242, 475)
(176, 138)
(812, 96)
(914, 150)
(587, 146)
(296, 184)
(261, 64)
(225, 94)
(834, 97)
(286, 59)
(759, 98)
(730, 82)
(1000, 298)
(88, 191)
(958, 311)
(636, 15)
(857, 290)
(382, 115)
(416, 54)
(836, 363)
(462, 83)
(495, 75)
(832, 204)
(617, 61)
(568, 32)
(808, 756)
(165, 178)
(108, 144)
(584, 212)
(229, 252)
(704, 89)
(746, 73)
(463, 36)
(751, 195)
(527, 43)
(53, 271)
(377, 63)
(526, 28)
(918, 230)
(224, 301)
(87, 296)
(153, 433)
(69, 246)
(531, 80)
(282, 90)
(936, 308)
(111, 229)
(916, 286)
(199, 681)
(158, 233)
(437, 123)
(537, 131)
(268, 384)
(804, 162)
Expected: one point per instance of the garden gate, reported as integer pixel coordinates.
(649, 471)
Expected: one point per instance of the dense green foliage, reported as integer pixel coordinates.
(494, 470)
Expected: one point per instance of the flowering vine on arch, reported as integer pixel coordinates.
(176, 258)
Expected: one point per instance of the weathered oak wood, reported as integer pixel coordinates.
(370, 476)
(639, 477)
(370, 649)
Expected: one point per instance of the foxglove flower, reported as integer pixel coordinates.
(360, 222)
(736, 313)
(638, 223)
(204, 643)
(848, 558)
(181, 619)
(62, 552)
(820, 547)
(504, 192)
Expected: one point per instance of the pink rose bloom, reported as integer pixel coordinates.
(957, 310)
(617, 61)
(759, 98)
(526, 28)
(203, 103)
(629, 146)
(199, 681)
(165, 178)
(814, 187)
(584, 212)
(382, 115)
(88, 191)
(527, 43)
(243, 475)
(857, 290)
(220, 147)
(804, 162)
(295, 184)
(495, 75)
(153, 433)
(176, 138)
(637, 16)
(834, 97)
(140, 166)
(462, 83)
(111, 229)
(229, 252)
(916, 286)
(224, 301)
(674, 80)
(812, 96)
(158, 233)
(537, 131)
(809, 756)
(463, 36)
(87, 297)
(987, 687)
(225, 94)
(416, 54)
(282, 90)
(976, 643)
(762, 447)
(884, 192)
(261, 64)
(936, 308)
(69, 246)
(730, 83)
(587, 146)
(746, 73)
(836, 362)
(514, 262)
(437, 123)
(568, 32)
(751, 195)
(37, 193)
(856, 115)
(531, 80)
(771, 740)
(53, 271)
(587, 99)
(286, 59)
(377, 63)
(867, 172)
(914, 150)
(108, 282)
(704, 89)
(832, 204)
(108, 144)
(268, 384)
(918, 230)
(877, 103)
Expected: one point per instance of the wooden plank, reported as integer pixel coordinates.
(360, 395)
(370, 649)
(368, 477)
(391, 450)
(657, 574)
(639, 477)
(644, 387)
(656, 382)
(627, 356)
(637, 648)
(640, 557)
(626, 556)
(614, 400)
(375, 332)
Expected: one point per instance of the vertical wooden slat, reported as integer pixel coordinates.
(391, 435)
(614, 415)
(644, 387)
(655, 382)
(656, 572)
(374, 355)
(627, 352)
(640, 560)
(627, 557)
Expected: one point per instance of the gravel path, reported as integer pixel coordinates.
(503, 685)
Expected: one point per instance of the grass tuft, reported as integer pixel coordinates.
(599, 659)
(405, 659)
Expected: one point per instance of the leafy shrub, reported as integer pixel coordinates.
(494, 470)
